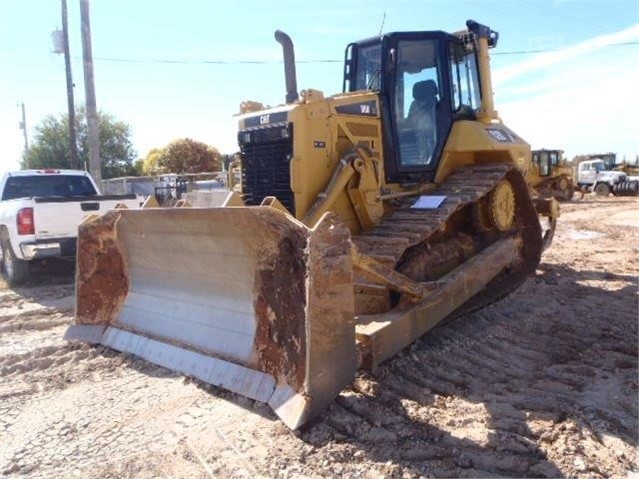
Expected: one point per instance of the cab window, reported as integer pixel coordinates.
(544, 164)
(465, 79)
(47, 185)
(369, 68)
(417, 95)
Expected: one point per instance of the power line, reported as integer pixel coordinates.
(205, 62)
(523, 52)
(271, 62)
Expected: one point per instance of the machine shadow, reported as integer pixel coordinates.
(53, 272)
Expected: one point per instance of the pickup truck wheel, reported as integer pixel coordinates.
(602, 189)
(15, 270)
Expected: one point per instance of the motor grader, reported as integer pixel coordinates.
(358, 222)
(551, 176)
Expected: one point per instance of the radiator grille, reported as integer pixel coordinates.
(266, 154)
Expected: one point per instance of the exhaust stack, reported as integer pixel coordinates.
(289, 65)
(486, 38)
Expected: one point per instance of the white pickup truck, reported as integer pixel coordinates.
(40, 211)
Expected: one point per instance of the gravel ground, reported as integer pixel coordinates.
(541, 384)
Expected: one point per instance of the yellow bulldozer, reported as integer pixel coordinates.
(551, 176)
(355, 224)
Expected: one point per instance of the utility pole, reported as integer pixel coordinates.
(23, 127)
(73, 143)
(93, 137)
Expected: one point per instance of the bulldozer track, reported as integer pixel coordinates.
(407, 227)
(411, 230)
(550, 187)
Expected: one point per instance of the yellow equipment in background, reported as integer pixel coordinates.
(551, 176)
(355, 224)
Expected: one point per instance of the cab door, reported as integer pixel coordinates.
(587, 173)
(545, 164)
(419, 97)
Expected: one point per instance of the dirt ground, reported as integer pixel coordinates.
(541, 384)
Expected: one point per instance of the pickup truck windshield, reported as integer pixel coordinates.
(47, 185)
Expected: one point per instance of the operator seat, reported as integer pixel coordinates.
(422, 117)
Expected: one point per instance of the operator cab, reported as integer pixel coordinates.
(425, 81)
(546, 161)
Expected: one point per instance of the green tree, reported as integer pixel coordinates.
(139, 166)
(50, 144)
(228, 159)
(150, 162)
(188, 156)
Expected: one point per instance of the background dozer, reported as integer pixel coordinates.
(551, 176)
(359, 222)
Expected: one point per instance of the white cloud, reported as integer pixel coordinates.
(582, 99)
(544, 60)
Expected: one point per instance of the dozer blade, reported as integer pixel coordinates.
(245, 298)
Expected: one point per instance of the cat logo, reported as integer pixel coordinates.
(365, 109)
(500, 135)
(265, 119)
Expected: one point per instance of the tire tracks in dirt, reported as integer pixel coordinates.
(540, 384)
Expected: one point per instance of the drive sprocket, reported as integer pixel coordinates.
(501, 206)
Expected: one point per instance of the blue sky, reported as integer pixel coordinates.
(580, 95)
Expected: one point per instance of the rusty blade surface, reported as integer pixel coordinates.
(250, 287)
